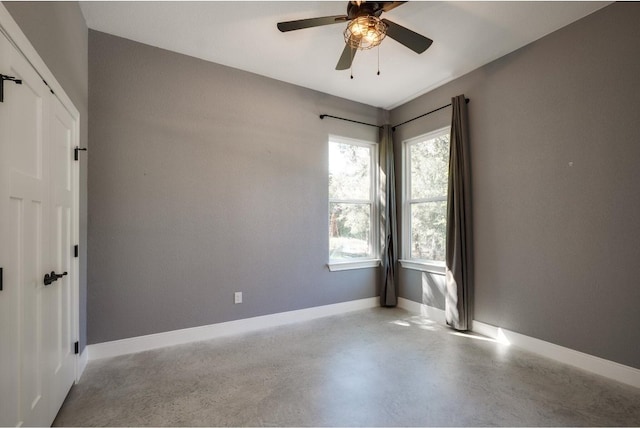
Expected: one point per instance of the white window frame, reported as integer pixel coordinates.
(374, 244)
(407, 261)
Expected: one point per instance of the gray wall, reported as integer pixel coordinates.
(557, 247)
(207, 180)
(58, 32)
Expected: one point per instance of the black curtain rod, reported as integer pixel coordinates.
(393, 128)
(322, 116)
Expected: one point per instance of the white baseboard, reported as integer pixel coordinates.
(195, 334)
(83, 360)
(590, 363)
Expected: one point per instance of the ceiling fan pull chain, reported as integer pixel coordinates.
(351, 68)
(378, 60)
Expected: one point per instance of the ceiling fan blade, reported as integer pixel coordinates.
(311, 22)
(346, 58)
(389, 5)
(414, 41)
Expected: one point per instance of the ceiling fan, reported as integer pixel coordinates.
(365, 29)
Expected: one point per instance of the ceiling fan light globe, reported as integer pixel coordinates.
(357, 29)
(371, 36)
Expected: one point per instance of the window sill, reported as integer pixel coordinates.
(356, 264)
(433, 267)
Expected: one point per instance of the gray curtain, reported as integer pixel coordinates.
(459, 235)
(388, 229)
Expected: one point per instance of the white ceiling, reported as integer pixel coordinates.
(243, 35)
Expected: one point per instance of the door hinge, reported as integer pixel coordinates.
(50, 90)
(76, 150)
(76, 348)
(76, 251)
(4, 77)
(0, 279)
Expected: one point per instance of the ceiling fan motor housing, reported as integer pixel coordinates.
(357, 9)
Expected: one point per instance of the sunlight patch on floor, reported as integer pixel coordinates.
(500, 338)
(473, 336)
(418, 321)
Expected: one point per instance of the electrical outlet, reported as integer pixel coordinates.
(237, 297)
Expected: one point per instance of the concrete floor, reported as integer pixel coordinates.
(378, 367)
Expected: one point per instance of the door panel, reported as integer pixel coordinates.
(24, 106)
(60, 305)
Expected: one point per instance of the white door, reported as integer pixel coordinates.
(25, 238)
(35, 224)
(9, 361)
(58, 297)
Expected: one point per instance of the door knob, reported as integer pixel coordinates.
(50, 278)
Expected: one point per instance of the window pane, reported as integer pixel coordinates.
(428, 230)
(349, 226)
(429, 167)
(349, 171)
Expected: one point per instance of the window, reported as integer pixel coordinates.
(426, 173)
(352, 206)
